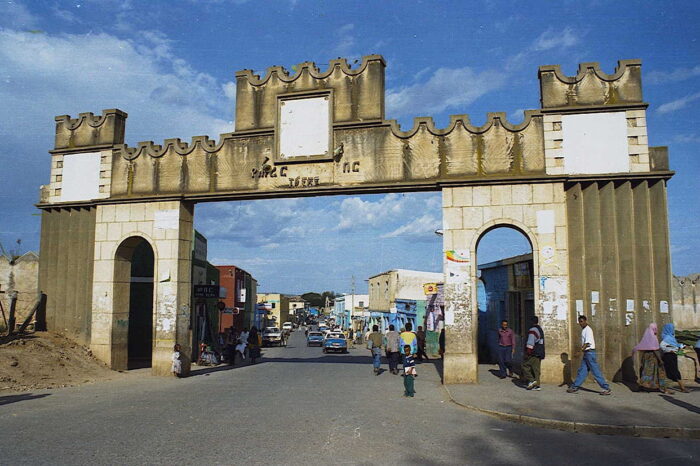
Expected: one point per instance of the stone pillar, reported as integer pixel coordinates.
(461, 362)
(539, 212)
(168, 228)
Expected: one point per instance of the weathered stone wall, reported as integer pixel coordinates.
(168, 227)
(686, 302)
(620, 264)
(20, 275)
(65, 270)
(537, 210)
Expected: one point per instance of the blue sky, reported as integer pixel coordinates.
(171, 66)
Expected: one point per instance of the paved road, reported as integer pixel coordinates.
(298, 406)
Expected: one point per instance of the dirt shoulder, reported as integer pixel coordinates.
(45, 360)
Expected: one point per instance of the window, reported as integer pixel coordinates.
(273, 305)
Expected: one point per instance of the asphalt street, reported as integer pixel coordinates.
(297, 406)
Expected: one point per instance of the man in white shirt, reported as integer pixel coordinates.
(589, 362)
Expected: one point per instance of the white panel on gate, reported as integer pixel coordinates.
(595, 143)
(80, 178)
(304, 127)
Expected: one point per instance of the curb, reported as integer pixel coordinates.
(585, 427)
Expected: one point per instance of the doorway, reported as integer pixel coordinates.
(134, 279)
(505, 289)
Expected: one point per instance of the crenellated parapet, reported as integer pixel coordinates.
(591, 87)
(493, 120)
(89, 132)
(174, 145)
(357, 94)
(324, 131)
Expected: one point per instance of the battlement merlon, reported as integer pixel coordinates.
(357, 94)
(89, 132)
(591, 88)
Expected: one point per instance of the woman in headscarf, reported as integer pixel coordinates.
(254, 342)
(651, 370)
(670, 347)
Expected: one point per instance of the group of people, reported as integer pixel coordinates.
(243, 343)
(399, 347)
(659, 360)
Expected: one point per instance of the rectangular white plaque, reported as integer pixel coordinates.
(167, 219)
(595, 143)
(80, 178)
(304, 127)
(545, 221)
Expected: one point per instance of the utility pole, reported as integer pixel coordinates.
(352, 303)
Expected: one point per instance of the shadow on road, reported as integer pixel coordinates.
(9, 399)
(325, 359)
(690, 407)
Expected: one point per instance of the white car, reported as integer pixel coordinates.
(272, 336)
(287, 326)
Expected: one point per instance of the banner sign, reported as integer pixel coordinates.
(206, 291)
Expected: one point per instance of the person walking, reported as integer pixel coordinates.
(652, 375)
(374, 344)
(243, 338)
(534, 354)
(176, 366)
(409, 338)
(670, 348)
(589, 362)
(409, 372)
(441, 343)
(506, 350)
(254, 343)
(392, 342)
(420, 335)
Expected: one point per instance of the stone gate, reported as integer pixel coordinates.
(577, 177)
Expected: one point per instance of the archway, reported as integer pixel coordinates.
(505, 288)
(133, 289)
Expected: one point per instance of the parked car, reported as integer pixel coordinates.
(272, 336)
(314, 338)
(335, 341)
(287, 326)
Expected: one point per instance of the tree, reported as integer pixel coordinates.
(319, 300)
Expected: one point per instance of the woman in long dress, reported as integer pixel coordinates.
(177, 362)
(670, 347)
(651, 371)
(254, 342)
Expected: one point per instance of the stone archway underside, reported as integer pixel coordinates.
(529, 175)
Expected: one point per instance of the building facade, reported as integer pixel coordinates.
(240, 297)
(349, 310)
(394, 294)
(278, 309)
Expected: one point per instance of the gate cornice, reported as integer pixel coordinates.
(366, 153)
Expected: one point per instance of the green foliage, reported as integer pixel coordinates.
(319, 300)
(687, 337)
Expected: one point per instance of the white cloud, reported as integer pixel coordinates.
(552, 38)
(46, 75)
(346, 41)
(16, 15)
(678, 103)
(446, 88)
(264, 224)
(65, 15)
(356, 213)
(679, 74)
(686, 138)
(420, 229)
